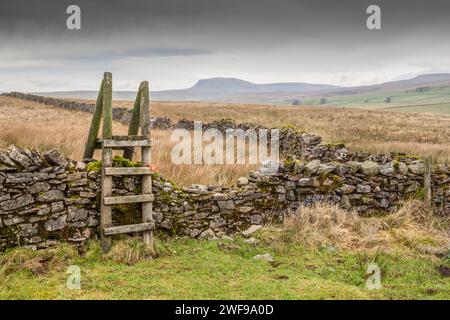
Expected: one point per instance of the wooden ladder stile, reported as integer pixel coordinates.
(108, 143)
(108, 200)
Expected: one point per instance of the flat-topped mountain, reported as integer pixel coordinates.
(238, 85)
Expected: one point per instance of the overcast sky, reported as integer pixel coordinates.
(173, 43)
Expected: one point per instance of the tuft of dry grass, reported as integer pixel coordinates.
(412, 228)
(130, 251)
(37, 262)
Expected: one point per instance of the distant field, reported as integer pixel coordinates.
(439, 108)
(426, 99)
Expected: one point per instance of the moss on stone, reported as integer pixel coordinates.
(366, 199)
(396, 164)
(127, 213)
(288, 127)
(71, 169)
(291, 161)
(264, 188)
(120, 161)
(336, 182)
(265, 203)
(227, 121)
(334, 144)
(406, 157)
(167, 198)
(95, 166)
(156, 175)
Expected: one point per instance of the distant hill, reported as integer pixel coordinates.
(420, 80)
(232, 89)
(220, 89)
(237, 90)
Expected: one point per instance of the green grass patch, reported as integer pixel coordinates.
(193, 269)
(426, 99)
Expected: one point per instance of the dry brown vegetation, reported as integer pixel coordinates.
(33, 125)
(410, 229)
(370, 130)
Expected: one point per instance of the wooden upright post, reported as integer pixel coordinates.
(107, 105)
(144, 109)
(427, 182)
(106, 212)
(95, 126)
(147, 207)
(133, 129)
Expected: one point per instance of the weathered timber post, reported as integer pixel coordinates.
(133, 129)
(427, 183)
(147, 207)
(107, 106)
(144, 109)
(95, 125)
(106, 210)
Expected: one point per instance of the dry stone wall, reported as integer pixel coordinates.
(45, 198)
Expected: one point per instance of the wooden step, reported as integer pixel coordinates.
(99, 141)
(111, 143)
(130, 228)
(129, 199)
(131, 137)
(124, 171)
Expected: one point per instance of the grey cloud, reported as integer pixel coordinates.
(139, 53)
(90, 54)
(174, 42)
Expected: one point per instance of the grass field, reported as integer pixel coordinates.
(207, 270)
(438, 108)
(427, 100)
(314, 258)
